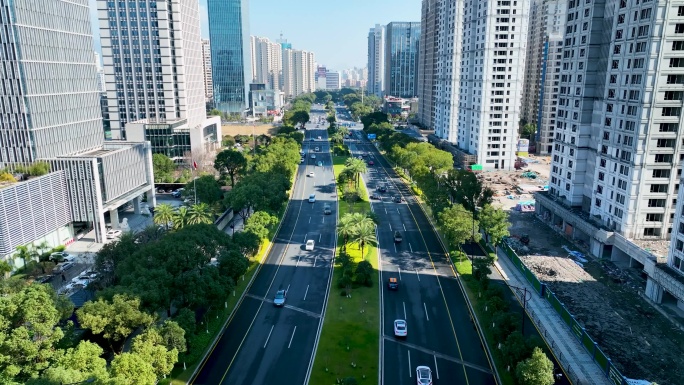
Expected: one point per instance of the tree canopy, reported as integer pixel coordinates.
(230, 163)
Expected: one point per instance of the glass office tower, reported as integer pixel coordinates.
(230, 53)
(401, 59)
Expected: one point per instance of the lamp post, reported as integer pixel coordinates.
(524, 293)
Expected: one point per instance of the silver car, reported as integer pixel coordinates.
(424, 375)
(280, 297)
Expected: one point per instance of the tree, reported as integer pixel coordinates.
(181, 217)
(164, 215)
(233, 264)
(259, 223)
(208, 190)
(536, 370)
(514, 349)
(528, 130)
(6, 177)
(467, 190)
(356, 167)
(200, 213)
(131, 368)
(23, 253)
(365, 235)
(162, 166)
(300, 117)
(458, 225)
(5, 268)
(364, 274)
(114, 320)
(151, 346)
(227, 141)
(78, 364)
(231, 163)
(494, 222)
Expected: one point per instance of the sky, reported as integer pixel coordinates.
(335, 31)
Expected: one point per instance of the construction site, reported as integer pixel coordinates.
(644, 341)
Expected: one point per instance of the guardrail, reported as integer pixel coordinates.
(597, 355)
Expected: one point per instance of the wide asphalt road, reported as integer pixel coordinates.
(263, 344)
(441, 334)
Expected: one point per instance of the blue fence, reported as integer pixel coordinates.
(578, 331)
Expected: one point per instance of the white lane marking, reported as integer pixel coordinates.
(399, 270)
(315, 259)
(436, 368)
(417, 275)
(323, 220)
(398, 210)
(299, 257)
(295, 329)
(395, 247)
(385, 210)
(409, 358)
(404, 303)
(319, 237)
(305, 237)
(269, 336)
(390, 227)
(426, 313)
(306, 292)
(410, 247)
(288, 289)
(404, 226)
(309, 219)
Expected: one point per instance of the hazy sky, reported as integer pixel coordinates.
(336, 31)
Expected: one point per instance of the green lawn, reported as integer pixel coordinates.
(349, 342)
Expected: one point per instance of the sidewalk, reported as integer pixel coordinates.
(569, 352)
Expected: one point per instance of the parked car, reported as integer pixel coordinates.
(424, 375)
(177, 193)
(309, 245)
(393, 284)
(60, 256)
(113, 234)
(400, 329)
(280, 297)
(64, 267)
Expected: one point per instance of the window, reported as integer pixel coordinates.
(680, 11)
(652, 217)
(597, 202)
(645, 14)
(678, 45)
(619, 198)
(651, 232)
(663, 158)
(676, 62)
(659, 188)
(622, 184)
(671, 111)
(668, 127)
(661, 173)
(673, 95)
(679, 28)
(656, 202)
(643, 30)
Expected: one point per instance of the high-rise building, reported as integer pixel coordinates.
(230, 54)
(427, 55)
(333, 81)
(376, 60)
(206, 70)
(57, 120)
(156, 82)
(476, 78)
(299, 72)
(542, 70)
(267, 63)
(401, 59)
(618, 141)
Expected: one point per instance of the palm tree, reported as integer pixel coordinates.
(346, 228)
(181, 217)
(356, 166)
(23, 253)
(337, 138)
(365, 235)
(164, 214)
(200, 213)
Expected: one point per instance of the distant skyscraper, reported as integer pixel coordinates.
(156, 82)
(206, 66)
(299, 72)
(52, 114)
(427, 57)
(376, 60)
(542, 69)
(267, 63)
(230, 53)
(401, 59)
(333, 81)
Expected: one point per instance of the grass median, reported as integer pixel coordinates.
(348, 346)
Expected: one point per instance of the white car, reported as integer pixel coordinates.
(309, 245)
(424, 375)
(400, 328)
(312, 198)
(280, 297)
(311, 174)
(113, 234)
(313, 156)
(62, 256)
(316, 149)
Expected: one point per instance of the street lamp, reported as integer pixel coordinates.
(524, 294)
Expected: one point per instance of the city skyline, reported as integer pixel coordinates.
(346, 45)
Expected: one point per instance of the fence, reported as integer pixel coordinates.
(578, 331)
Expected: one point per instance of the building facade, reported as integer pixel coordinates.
(401, 59)
(58, 120)
(376, 60)
(618, 144)
(267, 62)
(206, 71)
(427, 56)
(333, 80)
(299, 72)
(542, 72)
(230, 54)
(156, 74)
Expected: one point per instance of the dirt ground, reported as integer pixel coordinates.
(606, 301)
(247, 129)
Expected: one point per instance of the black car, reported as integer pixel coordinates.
(382, 188)
(397, 199)
(398, 237)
